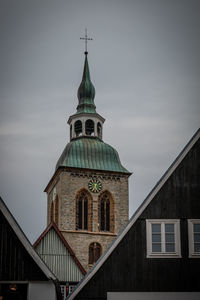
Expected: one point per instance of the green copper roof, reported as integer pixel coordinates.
(90, 153)
(86, 92)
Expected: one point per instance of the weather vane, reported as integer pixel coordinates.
(86, 38)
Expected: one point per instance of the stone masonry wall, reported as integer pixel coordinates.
(53, 191)
(66, 185)
(80, 243)
(71, 183)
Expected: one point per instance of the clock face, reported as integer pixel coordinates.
(95, 185)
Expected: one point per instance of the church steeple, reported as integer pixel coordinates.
(88, 193)
(86, 91)
(86, 122)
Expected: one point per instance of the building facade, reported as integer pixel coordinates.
(54, 250)
(88, 194)
(23, 274)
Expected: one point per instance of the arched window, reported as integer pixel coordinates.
(99, 130)
(94, 252)
(83, 211)
(78, 127)
(52, 212)
(89, 127)
(56, 210)
(106, 212)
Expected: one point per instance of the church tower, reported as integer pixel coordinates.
(88, 193)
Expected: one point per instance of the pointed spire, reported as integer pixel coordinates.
(86, 91)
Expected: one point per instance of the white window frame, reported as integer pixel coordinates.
(163, 253)
(191, 222)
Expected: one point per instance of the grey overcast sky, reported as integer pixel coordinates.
(144, 64)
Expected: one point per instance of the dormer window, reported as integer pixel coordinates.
(78, 128)
(89, 127)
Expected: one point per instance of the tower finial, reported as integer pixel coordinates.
(86, 38)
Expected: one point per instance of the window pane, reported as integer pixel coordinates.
(156, 227)
(156, 247)
(156, 237)
(196, 227)
(169, 237)
(169, 227)
(197, 237)
(170, 247)
(197, 247)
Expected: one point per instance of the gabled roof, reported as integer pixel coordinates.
(135, 216)
(25, 242)
(72, 254)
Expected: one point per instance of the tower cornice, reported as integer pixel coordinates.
(87, 115)
(85, 172)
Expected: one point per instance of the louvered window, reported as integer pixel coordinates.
(89, 127)
(78, 128)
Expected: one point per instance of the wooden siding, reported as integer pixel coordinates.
(128, 269)
(57, 257)
(15, 262)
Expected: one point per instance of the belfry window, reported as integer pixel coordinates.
(105, 212)
(89, 127)
(82, 211)
(94, 253)
(78, 128)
